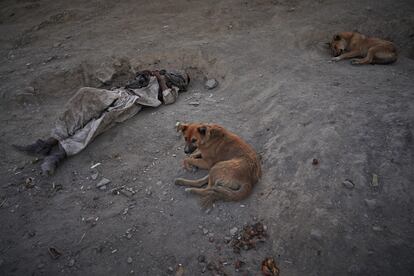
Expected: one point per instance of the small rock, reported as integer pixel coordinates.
(374, 182)
(170, 269)
(94, 176)
(57, 44)
(194, 103)
(174, 155)
(29, 89)
(102, 187)
(371, 203)
(315, 161)
(29, 183)
(205, 231)
(233, 231)
(227, 239)
(348, 184)
(129, 260)
(71, 262)
(377, 228)
(316, 234)
(103, 182)
(40, 266)
(211, 83)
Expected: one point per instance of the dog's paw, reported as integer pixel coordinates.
(335, 59)
(178, 182)
(188, 190)
(355, 61)
(187, 165)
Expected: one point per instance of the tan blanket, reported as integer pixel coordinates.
(92, 111)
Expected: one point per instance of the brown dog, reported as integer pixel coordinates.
(233, 165)
(371, 50)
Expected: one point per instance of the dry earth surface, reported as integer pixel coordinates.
(277, 90)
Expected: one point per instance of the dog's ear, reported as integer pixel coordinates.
(202, 130)
(215, 132)
(181, 127)
(337, 37)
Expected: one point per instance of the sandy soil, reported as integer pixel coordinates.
(277, 90)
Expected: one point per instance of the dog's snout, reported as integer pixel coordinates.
(189, 148)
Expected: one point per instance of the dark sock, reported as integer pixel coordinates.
(51, 161)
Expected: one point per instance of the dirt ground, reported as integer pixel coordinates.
(277, 90)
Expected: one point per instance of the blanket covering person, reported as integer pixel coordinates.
(92, 111)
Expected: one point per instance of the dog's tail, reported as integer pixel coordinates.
(220, 192)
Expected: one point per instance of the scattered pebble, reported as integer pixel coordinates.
(129, 260)
(103, 182)
(205, 231)
(348, 184)
(371, 203)
(377, 228)
(233, 231)
(374, 182)
(315, 161)
(94, 176)
(29, 89)
(316, 234)
(194, 103)
(71, 262)
(49, 59)
(211, 83)
(29, 183)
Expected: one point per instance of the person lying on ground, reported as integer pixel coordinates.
(92, 111)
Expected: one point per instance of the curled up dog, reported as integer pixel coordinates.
(233, 165)
(363, 49)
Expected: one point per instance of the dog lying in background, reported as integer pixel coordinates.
(233, 165)
(371, 50)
